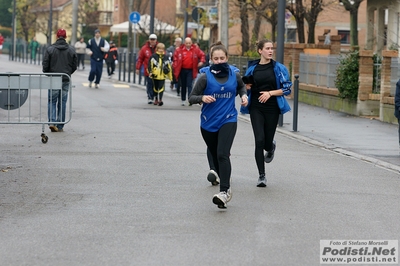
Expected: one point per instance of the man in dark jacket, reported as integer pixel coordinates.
(97, 48)
(397, 105)
(59, 57)
(111, 58)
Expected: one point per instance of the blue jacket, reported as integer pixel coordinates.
(397, 100)
(282, 81)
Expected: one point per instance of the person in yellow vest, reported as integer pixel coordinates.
(159, 69)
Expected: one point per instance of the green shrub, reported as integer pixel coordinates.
(347, 76)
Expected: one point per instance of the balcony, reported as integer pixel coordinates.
(105, 18)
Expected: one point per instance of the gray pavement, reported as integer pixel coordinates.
(125, 184)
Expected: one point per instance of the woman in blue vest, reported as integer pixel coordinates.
(267, 82)
(216, 90)
(97, 48)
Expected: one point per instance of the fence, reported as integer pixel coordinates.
(318, 70)
(394, 74)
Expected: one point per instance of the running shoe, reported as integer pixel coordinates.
(222, 198)
(262, 181)
(213, 177)
(269, 156)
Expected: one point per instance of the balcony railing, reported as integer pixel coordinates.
(105, 18)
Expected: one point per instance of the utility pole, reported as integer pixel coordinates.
(185, 28)
(14, 30)
(152, 7)
(280, 45)
(130, 27)
(74, 21)
(50, 22)
(223, 22)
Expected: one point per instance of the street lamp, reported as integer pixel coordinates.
(14, 31)
(50, 22)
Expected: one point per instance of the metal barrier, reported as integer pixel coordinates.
(24, 98)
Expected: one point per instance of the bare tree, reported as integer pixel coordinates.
(352, 6)
(299, 12)
(26, 17)
(311, 16)
(267, 9)
(244, 27)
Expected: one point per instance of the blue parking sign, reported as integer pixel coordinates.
(134, 17)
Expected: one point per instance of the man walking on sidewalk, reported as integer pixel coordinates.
(59, 57)
(187, 60)
(145, 53)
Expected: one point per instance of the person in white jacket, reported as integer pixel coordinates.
(80, 49)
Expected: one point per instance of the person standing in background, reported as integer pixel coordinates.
(171, 51)
(147, 50)
(80, 48)
(327, 37)
(59, 57)
(97, 48)
(1, 43)
(33, 47)
(111, 58)
(188, 58)
(397, 105)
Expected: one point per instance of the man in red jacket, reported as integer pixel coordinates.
(187, 60)
(1, 43)
(145, 53)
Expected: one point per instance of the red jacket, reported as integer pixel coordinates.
(197, 56)
(1, 40)
(144, 55)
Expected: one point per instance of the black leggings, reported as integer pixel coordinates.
(158, 88)
(220, 143)
(264, 127)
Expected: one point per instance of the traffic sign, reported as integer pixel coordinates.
(197, 14)
(134, 17)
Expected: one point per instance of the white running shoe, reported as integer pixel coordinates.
(222, 198)
(213, 177)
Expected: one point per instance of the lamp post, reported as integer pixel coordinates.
(185, 27)
(280, 39)
(50, 22)
(152, 7)
(14, 31)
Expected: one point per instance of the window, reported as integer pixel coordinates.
(291, 35)
(345, 36)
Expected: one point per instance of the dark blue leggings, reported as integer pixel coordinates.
(220, 143)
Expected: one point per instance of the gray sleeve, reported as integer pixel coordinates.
(241, 87)
(199, 86)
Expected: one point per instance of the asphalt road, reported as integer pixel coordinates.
(125, 184)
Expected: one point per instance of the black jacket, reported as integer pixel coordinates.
(397, 101)
(60, 57)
